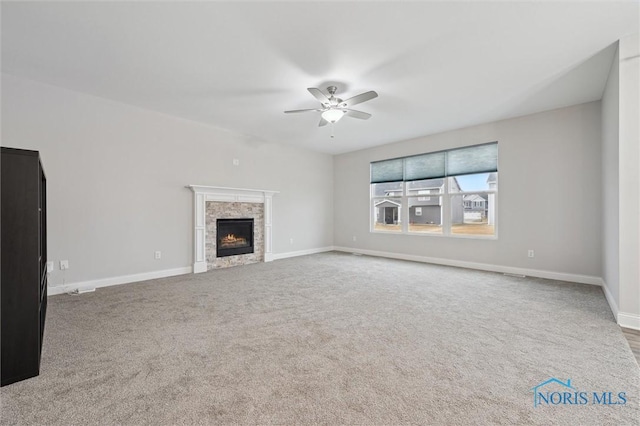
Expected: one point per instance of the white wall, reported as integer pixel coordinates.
(610, 184)
(621, 182)
(549, 194)
(629, 172)
(116, 177)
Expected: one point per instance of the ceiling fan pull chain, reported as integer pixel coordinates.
(332, 123)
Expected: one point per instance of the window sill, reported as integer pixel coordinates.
(426, 234)
(387, 232)
(474, 237)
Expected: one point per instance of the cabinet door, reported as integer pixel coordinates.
(20, 272)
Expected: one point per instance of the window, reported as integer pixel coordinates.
(387, 206)
(424, 191)
(450, 193)
(425, 213)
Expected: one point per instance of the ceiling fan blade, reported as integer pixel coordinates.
(302, 110)
(358, 99)
(323, 122)
(317, 93)
(357, 114)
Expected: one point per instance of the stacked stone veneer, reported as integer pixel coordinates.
(219, 210)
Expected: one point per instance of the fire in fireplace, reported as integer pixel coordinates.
(234, 236)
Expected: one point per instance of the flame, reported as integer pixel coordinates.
(231, 239)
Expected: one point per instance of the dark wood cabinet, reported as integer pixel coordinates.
(23, 263)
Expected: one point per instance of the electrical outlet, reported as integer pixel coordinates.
(531, 253)
(236, 162)
(354, 238)
(290, 240)
(64, 264)
(157, 255)
(50, 266)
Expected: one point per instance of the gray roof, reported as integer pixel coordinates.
(475, 197)
(393, 203)
(420, 184)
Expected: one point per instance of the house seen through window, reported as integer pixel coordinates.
(452, 193)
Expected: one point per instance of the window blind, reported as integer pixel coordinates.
(454, 162)
(425, 166)
(473, 159)
(387, 171)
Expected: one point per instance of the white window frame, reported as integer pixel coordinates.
(446, 211)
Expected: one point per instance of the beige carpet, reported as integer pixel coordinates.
(327, 339)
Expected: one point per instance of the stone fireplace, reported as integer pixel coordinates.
(235, 216)
(245, 236)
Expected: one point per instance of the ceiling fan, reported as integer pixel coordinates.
(333, 108)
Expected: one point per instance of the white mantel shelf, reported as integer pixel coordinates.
(204, 193)
(226, 190)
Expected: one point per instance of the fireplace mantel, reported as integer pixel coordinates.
(202, 194)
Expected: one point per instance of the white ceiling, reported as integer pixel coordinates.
(238, 65)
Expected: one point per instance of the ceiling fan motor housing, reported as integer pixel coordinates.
(332, 91)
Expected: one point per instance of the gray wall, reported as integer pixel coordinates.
(430, 214)
(551, 157)
(457, 209)
(621, 183)
(116, 177)
(610, 195)
(629, 178)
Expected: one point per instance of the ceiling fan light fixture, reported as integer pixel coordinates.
(333, 115)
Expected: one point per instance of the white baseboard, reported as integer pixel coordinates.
(560, 276)
(124, 279)
(279, 256)
(624, 319)
(627, 320)
(612, 303)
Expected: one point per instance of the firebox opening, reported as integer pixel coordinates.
(234, 236)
